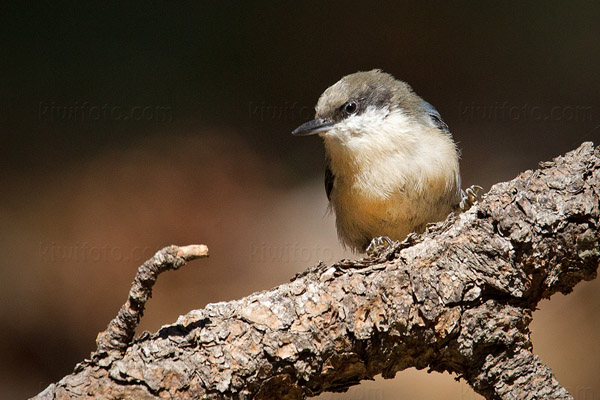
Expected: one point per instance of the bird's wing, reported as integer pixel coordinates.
(329, 177)
(435, 116)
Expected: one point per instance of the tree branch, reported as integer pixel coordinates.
(457, 298)
(121, 329)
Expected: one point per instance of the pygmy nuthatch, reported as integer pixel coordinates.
(392, 166)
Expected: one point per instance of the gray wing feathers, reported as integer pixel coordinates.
(435, 116)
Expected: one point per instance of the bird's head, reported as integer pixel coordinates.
(368, 105)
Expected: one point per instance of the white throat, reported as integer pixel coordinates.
(381, 152)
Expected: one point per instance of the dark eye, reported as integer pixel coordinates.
(350, 107)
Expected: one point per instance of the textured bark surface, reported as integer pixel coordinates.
(458, 298)
(121, 329)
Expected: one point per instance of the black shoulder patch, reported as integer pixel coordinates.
(329, 178)
(435, 116)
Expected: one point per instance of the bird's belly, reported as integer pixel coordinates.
(360, 217)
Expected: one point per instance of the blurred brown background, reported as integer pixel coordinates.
(127, 128)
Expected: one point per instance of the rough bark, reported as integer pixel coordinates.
(121, 329)
(457, 298)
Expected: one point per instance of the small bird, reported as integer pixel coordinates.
(392, 165)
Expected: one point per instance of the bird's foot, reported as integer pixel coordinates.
(470, 196)
(378, 244)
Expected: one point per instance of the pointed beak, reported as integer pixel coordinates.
(312, 127)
